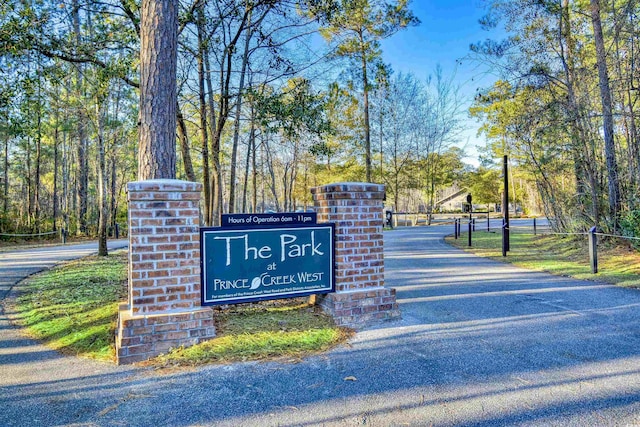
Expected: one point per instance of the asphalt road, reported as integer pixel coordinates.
(18, 264)
(480, 343)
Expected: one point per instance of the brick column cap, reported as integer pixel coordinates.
(350, 187)
(165, 185)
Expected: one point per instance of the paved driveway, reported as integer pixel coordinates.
(480, 343)
(18, 264)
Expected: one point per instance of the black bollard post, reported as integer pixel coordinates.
(535, 230)
(459, 227)
(593, 250)
(63, 235)
(469, 237)
(505, 204)
(455, 228)
(504, 238)
(488, 221)
(473, 223)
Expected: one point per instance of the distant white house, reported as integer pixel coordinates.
(452, 198)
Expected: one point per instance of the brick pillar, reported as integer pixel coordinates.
(357, 211)
(163, 309)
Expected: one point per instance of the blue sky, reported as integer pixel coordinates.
(446, 30)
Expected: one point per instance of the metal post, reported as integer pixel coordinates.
(473, 223)
(488, 219)
(504, 238)
(469, 236)
(459, 227)
(593, 250)
(535, 230)
(505, 207)
(63, 235)
(455, 228)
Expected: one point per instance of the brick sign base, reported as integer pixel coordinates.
(164, 309)
(356, 209)
(142, 337)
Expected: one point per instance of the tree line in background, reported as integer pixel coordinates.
(566, 109)
(276, 96)
(273, 97)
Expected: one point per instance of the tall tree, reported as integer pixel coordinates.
(158, 91)
(82, 142)
(358, 26)
(607, 115)
(102, 172)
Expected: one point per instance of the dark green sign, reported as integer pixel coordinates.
(251, 264)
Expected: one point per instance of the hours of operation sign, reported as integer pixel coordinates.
(252, 264)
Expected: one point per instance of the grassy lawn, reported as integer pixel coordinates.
(73, 309)
(276, 329)
(618, 263)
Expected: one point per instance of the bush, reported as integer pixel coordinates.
(630, 224)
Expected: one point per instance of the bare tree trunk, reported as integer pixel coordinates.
(82, 161)
(250, 154)
(113, 195)
(5, 201)
(66, 166)
(111, 167)
(158, 92)
(215, 152)
(634, 140)
(202, 57)
(204, 129)
(185, 150)
(36, 178)
(236, 129)
(628, 103)
(293, 176)
(226, 68)
(102, 187)
(272, 175)
(584, 176)
(236, 132)
(254, 174)
(29, 183)
(285, 188)
(605, 95)
(365, 100)
(56, 164)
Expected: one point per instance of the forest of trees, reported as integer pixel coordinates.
(276, 96)
(273, 97)
(566, 108)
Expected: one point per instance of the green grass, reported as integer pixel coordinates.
(618, 263)
(73, 309)
(280, 329)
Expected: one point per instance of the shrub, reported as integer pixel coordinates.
(630, 224)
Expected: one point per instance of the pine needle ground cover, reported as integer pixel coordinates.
(73, 309)
(618, 262)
